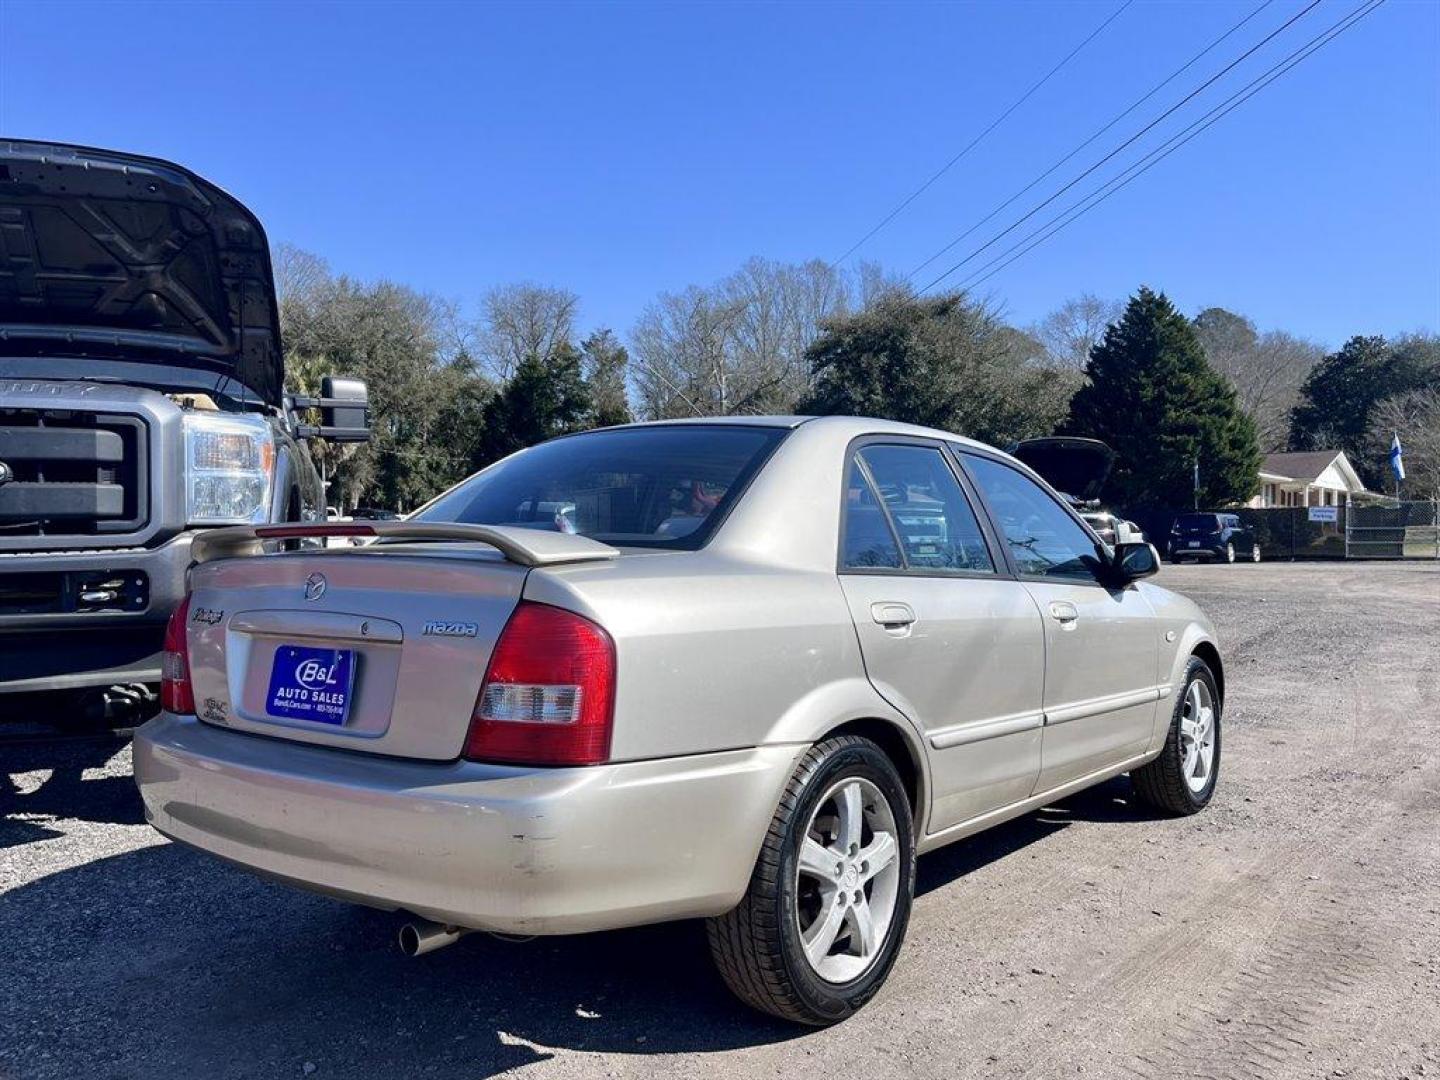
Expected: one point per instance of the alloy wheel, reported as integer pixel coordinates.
(1197, 736)
(848, 879)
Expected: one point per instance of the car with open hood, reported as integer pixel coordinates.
(1077, 468)
(142, 401)
(743, 669)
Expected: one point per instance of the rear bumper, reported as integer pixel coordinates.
(42, 651)
(523, 851)
(1207, 551)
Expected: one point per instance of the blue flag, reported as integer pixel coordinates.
(1397, 459)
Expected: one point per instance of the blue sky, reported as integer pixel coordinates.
(624, 149)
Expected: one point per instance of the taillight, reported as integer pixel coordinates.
(549, 693)
(176, 694)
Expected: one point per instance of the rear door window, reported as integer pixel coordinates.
(869, 542)
(922, 507)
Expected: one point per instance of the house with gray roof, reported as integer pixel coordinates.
(1307, 478)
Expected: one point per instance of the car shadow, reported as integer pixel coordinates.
(1109, 803)
(55, 786)
(171, 963)
(198, 968)
(1112, 802)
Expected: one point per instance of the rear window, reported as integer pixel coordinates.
(1197, 522)
(658, 487)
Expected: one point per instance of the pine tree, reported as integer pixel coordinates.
(543, 398)
(605, 363)
(1155, 400)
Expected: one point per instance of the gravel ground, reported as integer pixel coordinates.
(1291, 930)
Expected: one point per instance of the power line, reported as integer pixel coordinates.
(1148, 127)
(976, 141)
(1120, 116)
(1145, 164)
(1078, 209)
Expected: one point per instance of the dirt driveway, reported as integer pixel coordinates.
(1292, 930)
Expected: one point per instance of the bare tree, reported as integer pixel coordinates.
(681, 362)
(522, 320)
(298, 273)
(1074, 328)
(737, 346)
(874, 283)
(1415, 417)
(780, 309)
(1267, 370)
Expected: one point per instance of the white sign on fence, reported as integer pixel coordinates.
(1325, 513)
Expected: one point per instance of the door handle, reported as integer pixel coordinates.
(1064, 612)
(892, 614)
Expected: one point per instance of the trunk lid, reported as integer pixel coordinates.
(121, 257)
(402, 630)
(418, 623)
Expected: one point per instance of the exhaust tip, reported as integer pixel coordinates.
(421, 936)
(409, 940)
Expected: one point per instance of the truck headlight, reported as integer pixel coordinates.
(229, 466)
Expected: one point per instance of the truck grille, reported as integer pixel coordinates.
(66, 473)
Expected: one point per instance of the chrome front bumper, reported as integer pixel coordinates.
(523, 851)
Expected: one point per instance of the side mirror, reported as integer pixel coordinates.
(1131, 562)
(345, 409)
(344, 406)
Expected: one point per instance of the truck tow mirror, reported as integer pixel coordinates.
(344, 406)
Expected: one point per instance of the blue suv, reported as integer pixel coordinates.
(1212, 536)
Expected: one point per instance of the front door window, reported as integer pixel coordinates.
(1044, 540)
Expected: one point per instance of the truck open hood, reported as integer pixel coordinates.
(117, 256)
(1077, 467)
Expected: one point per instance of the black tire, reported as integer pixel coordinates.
(756, 946)
(1161, 782)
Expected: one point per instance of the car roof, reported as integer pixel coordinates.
(854, 425)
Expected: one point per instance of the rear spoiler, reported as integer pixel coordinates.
(527, 547)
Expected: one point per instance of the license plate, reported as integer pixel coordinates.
(307, 683)
(1194, 543)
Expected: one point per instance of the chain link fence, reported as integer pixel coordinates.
(1405, 530)
(1286, 532)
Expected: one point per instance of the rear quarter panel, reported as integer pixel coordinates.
(715, 653)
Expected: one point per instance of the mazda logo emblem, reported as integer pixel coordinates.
(315, 586)
(6, 473)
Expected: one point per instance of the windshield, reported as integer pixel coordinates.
(1196, 523)
(654, 487)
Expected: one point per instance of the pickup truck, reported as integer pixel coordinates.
(142, 400)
